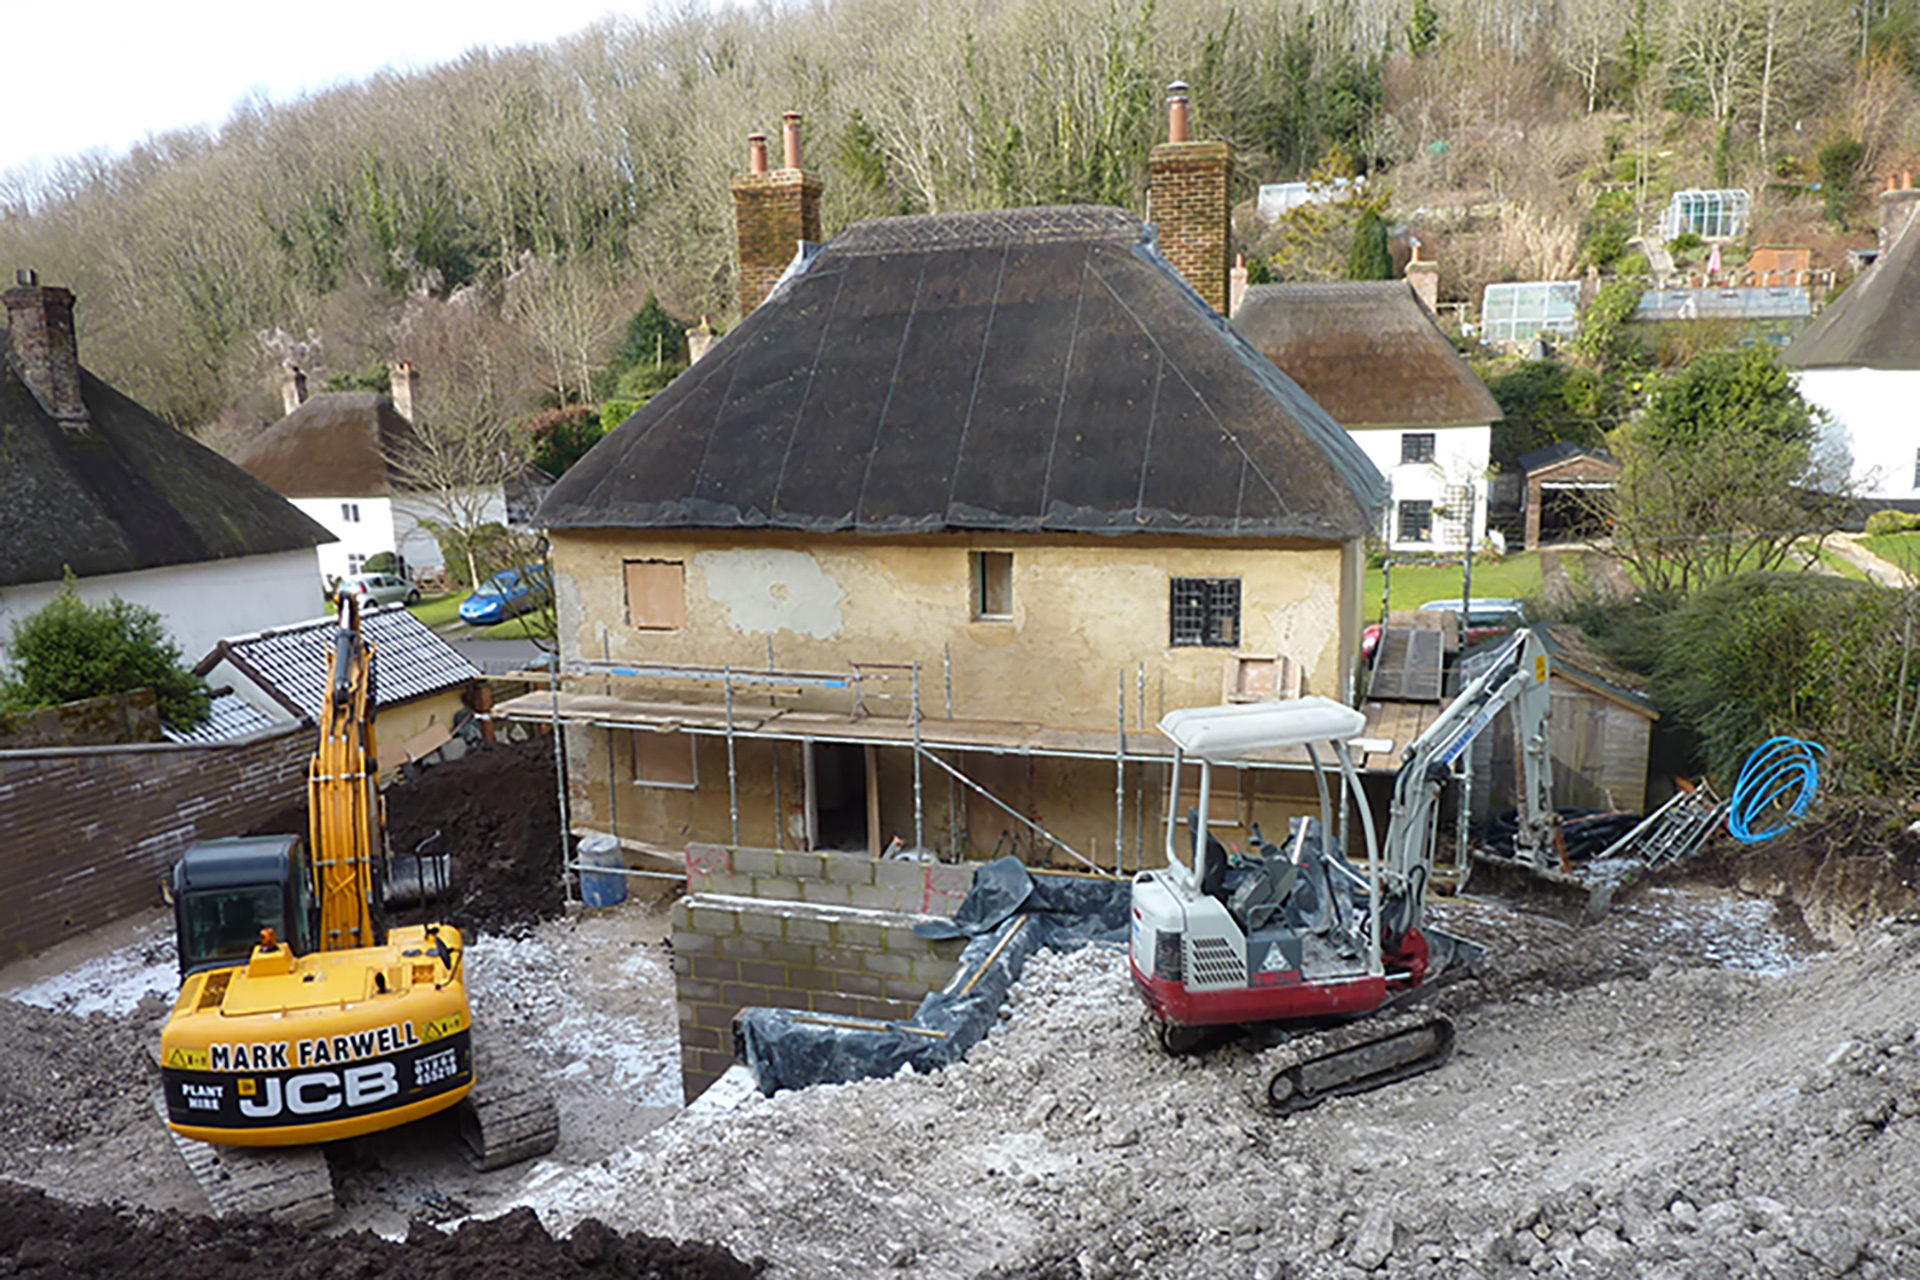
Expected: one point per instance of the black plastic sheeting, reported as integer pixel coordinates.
(1010, 914)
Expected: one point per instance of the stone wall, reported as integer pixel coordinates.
(828, 933)
(92, 831)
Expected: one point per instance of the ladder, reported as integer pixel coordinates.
(1673, 831)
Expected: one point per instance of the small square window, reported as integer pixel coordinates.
(1416, 446)
(656, 595)
(1206, 611)
(992, 584)
(664, 760)
(355, 564)
(1416, 521)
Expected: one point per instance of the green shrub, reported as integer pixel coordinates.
(71, 650)
(1891, 521)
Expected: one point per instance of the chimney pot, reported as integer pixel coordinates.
(1906, 179)
(293, 387)
(42, 350)
(26, 276)
(1177, 130)
(791, 139)
(756, 153)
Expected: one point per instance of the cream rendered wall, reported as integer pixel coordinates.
(1873, 419)
(1084, 612)
(1459, 454)
(199, 603)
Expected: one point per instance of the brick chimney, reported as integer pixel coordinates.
(406, 387)
(1424, 276)
(774, 213)
(42, 350)
(293, 386)
(1896, 206)
(1187, 201)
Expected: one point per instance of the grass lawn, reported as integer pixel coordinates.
(1901, 548)
(1516, 576)
(1834, 562)
(438, 611)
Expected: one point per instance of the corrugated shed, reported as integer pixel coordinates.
(1368, 352)
(1031, 369)
(128, 493)
(1875, 324)
(291, 663)
(337, 444)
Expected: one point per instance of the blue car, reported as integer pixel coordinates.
(506, 594)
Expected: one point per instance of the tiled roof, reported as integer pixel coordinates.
(1035, 370)
(128, 493)
(1368, 351)
(409, 662)
(232, 717)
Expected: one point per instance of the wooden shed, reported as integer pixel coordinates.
(1602, 723)
(1561, 483)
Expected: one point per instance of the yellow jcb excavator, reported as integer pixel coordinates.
(302, 1018)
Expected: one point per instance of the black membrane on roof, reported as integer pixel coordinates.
(1010, 914)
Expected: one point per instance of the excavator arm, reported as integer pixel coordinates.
(343, 796)
(1518, 680)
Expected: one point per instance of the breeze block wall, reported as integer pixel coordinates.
(825, 932)
(91, 831)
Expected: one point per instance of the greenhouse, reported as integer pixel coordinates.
(1711, 215)
(1514, 313)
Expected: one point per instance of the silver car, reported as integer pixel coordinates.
(380, 588)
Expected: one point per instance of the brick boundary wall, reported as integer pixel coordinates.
(828, 933)
(91, 832)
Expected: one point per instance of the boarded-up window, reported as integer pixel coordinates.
(656, 595)
(663, 759)
(992, 584)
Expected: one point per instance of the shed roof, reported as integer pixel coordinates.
(338, 444)
(291, 663)
(1368, 351)
(1029, 369)
(1560, 452)
(128, 493)
(1875, 324)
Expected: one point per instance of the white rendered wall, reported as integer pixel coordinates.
(1460, 454)
(200, 603)
(421, 549)
(1876, 418)
(368, 536)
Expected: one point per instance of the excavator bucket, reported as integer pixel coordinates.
(1559, 895)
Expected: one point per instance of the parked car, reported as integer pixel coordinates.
(506, 594)
(378, 588)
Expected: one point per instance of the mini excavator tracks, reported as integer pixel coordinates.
(509, 1116)
(1354, 1058)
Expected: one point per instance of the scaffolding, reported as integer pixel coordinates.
(856, 721)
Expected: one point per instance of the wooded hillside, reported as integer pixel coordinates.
(497, 220)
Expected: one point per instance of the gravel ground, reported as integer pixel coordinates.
(1688, 1089)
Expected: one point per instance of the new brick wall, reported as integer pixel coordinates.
(1189, 205)
(91, 832)
(829, 933)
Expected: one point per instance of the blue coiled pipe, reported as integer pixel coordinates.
(1780, 767)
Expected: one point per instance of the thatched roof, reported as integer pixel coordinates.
(128, 493)
(1033, 369)
(1875, 324)
(336, 445)
(1368, 352)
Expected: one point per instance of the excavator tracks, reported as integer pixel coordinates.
(290, 1185)
(510, 1115)
(1353, 1058)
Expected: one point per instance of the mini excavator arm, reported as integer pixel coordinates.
(1517, 679)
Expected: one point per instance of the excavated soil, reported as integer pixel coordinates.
(1712, 1082)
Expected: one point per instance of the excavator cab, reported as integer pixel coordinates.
(226, 891)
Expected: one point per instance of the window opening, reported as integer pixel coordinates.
(656, 595)
(992, 584)
(1206, 611)
(1416, 446)
(664, 760)
(1416, 521)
